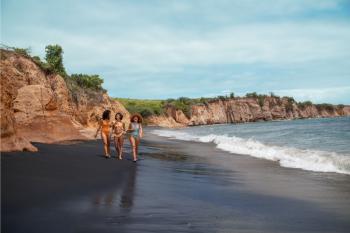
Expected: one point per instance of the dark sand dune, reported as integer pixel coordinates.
(178, 187)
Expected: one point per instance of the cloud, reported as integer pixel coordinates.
(185, 47)
(161, 48)
(335, 95)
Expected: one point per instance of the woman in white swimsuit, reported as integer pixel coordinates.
(136, 133)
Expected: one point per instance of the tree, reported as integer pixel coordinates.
(55, 59)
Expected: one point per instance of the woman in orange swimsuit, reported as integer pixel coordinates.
(105, 127)
(118, 133)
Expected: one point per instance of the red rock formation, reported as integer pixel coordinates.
(241, 110)
(36, 107)
(163, 121)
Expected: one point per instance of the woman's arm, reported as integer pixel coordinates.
(112, 125)
(99, 128)
(141, 131)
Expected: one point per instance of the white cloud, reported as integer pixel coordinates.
(162, 49)
(333, 95)
(165, 39)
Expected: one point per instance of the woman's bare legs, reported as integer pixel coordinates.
(106, 144)
(116, 145)
(137, 142)
(133, 144)
(118, 142)
(121, 144)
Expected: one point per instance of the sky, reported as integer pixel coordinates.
(167, 49)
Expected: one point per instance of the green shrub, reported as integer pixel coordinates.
(303, 105)
(222, 98)
(43, 65)
(93, 82)
(325, 106)
(251, 95)
(54, 58)
(146, 112)
(289, 99)
(203, 100)
(289, 104)
(261, 100)
(23, 51)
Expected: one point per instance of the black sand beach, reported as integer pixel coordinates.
(176, 187)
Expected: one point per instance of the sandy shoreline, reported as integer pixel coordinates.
(177, 187)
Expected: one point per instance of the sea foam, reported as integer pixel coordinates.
(312, 160)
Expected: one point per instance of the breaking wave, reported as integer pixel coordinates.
(312, 160)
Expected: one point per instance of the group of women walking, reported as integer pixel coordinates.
(117, 130)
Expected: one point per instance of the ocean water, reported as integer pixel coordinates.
(321, 145)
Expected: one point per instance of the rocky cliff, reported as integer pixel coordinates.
(239, 110)
(40, 107)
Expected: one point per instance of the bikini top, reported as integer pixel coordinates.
(118, 127)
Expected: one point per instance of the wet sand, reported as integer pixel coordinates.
(176, 187)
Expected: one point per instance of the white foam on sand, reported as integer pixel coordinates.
(312, 160)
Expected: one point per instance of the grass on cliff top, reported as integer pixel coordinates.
(146, 107)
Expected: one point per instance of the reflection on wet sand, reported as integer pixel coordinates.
(125, 197)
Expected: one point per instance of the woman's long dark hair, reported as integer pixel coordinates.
(106, 115)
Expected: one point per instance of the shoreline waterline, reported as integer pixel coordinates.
(300, 145)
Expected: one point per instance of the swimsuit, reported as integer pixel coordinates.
(118, 129)
(136, 128)
(105, 127)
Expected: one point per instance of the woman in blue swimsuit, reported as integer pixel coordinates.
(136, 133)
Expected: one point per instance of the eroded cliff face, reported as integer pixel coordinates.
(248, 110)
(36, 107)
(241, 110)
(164, 121)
